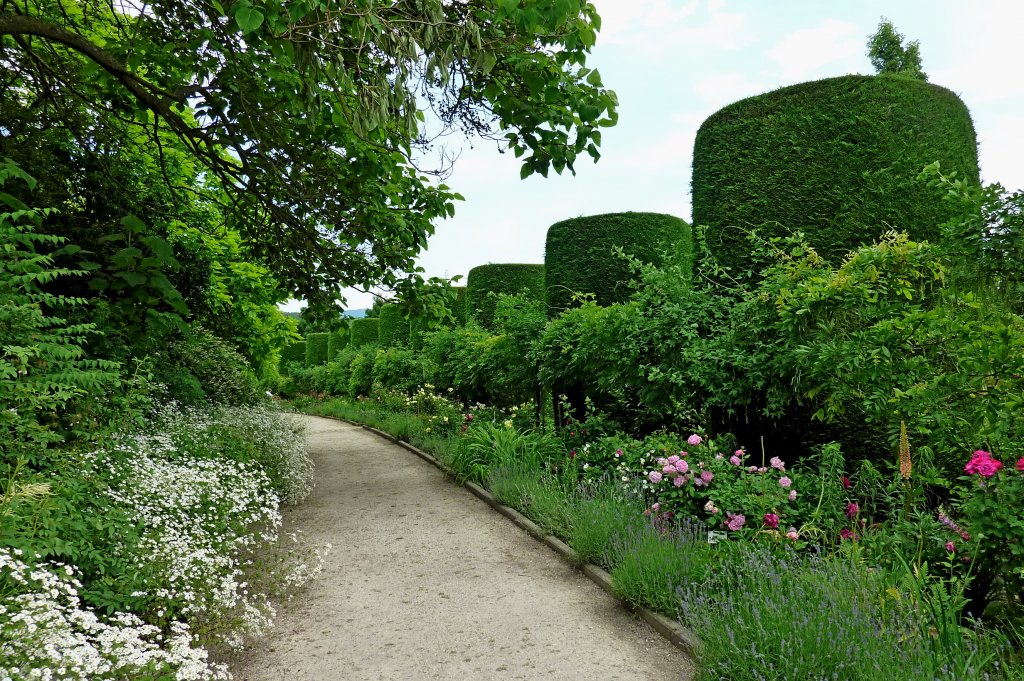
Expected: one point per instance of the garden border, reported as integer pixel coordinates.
(672, 631)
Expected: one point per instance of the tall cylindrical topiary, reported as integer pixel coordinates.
(293, 354)
(316, 348)
(393, 330)
(486, 281)
(459, 306)
(836, 159)
(337, 340)
(363, 332)
(579, 258)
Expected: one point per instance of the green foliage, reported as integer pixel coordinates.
(486, 282)
(339, 370)
(293, 354)
(399, 369)
(363, 332)
(316, 348)
(835, 159)
(43, 367)
(488, 446)
(603, 516)
(345, 112)
(393, 328)
(459, 308)
(223, 375)
(584, 255)
(888, 54)
(336, 341)
(360, 381)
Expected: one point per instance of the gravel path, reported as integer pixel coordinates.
(425, 581)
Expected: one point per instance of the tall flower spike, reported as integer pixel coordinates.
(905, 466)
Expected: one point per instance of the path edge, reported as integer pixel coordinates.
(675, 633)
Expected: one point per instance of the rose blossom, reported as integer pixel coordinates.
(668, 469)
(678, 481)
(654, 476)
(707, 476)
(771, 520)
(656, 506)
(777, 464)
(710, 507)
(618, 452)
(792, 495)
(735, 460)
(785, 481)
(682, 466)
(1020, 464)
(983, 464)
(734, 522)
(672, 459)
(694, 440)
(792, 534)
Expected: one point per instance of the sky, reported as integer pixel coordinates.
(673, 63)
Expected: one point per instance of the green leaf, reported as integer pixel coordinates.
(248, 19)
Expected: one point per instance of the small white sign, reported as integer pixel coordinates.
(714, 536)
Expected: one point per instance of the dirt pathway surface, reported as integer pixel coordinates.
(425, 581)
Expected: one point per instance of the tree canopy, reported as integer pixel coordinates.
(888, 54)
(307, 123)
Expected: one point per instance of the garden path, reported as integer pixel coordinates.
(425, 581)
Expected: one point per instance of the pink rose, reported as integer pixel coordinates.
(654, 476)
(672, 459)
(735, 460)
(682, 466)
(777, 464)
(707, 476)
(734, 522)
(668, 469)
(656, 506)
(694, 440)
(982, 464)
(792, 495)
(1020, 464)
(771, 520)
(678, 481)
(785, 482)
(792, 534)
(847, 534)
(618, 452)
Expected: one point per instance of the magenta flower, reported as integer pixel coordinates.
(852, 510)
(845, 482)
(771, 520)
(785, 481)
(694, 440)
(682, 466)
(668, 469)
(847, 534)
(618, 452)
(678, 481)
(735, 460)
(734, 522)
(792, 495)
(777, 464)
(740, 453)
(656, 506)
(654, 476)
(983, 464)
(672, 459)
(1020, 464)
(706, 476)
(951, 547)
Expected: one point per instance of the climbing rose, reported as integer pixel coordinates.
(654, 476)
(983, 464)
(785, 481)
(771, 520)
(694, 440)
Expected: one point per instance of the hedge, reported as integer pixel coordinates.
(316, 348)
(500, 278)
(393, 330)
(459, 308)
(294, 353)
(836, 159)
(578, 254)
(363, 332)
(335, 342)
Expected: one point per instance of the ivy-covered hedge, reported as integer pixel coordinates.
(393, 330)
(363, 332)
(294, 353)
(316, 348)
(500, 278)
(337, 340)
(837, 159)
(459, 308)
(578, 254)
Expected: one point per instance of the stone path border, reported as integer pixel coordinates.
(675, 633)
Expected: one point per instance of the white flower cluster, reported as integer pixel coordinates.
(47, 633)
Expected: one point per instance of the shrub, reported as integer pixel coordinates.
(221, 371)
(836, 159)
(579, 256)
(363, 331)
(316, 348)
(459, 307)
(486, 282)
(398, 369)
(336, 341)
(360, 380)
(339, 370)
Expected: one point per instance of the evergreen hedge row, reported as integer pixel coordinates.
(836, 159)
(578, 254)
(510, 279)
(393, 329)
(296, 352)
(459, 308)
(316, 348)
(363, 332)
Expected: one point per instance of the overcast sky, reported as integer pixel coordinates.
(675, 62)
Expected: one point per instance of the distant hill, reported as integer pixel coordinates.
(358, 313)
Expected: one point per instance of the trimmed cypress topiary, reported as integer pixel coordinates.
(393, 330)
(337, 340)
(363, 332)
(294, 353)
(578, 255)
(500, 278)
(836, 159)
(316, 348)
